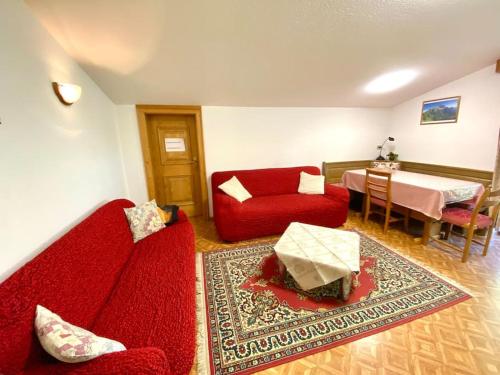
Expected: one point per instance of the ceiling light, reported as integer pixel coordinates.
(67, 93)
(391, 81)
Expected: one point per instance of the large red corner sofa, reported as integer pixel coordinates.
(275, 203)
(142, 295)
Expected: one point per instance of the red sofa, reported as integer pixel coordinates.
(142, 295)
(275, 203)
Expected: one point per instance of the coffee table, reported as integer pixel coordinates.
(317, 256)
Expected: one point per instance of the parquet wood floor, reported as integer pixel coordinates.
(463, 339)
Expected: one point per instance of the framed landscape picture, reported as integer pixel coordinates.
(440, 111)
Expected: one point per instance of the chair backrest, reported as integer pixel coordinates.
(488, 200)
(494, 198)
(378, 184)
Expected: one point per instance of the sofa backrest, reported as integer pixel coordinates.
(73, 277)
(261, 182)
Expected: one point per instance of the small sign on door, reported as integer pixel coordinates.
(175, 145)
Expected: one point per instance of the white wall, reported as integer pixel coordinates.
(135, 176)
(471, 142)
(248, 138)
(57, 163)
(259, 137)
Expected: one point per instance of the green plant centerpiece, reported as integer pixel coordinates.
(392, 156)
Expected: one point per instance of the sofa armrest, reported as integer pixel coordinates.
(223, 202)
(132, 361)
(181, 216)
(336, 192)
(226, 209)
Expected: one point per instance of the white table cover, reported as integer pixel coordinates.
(317, 256)
(421, 192)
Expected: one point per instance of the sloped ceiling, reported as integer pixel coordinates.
(271, 52)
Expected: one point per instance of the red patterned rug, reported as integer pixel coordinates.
(257, 319)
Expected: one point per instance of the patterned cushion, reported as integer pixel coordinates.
(461, 217)
(69, 343)
(394, 165)
(144, 220)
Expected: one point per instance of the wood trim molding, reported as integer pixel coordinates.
(333, 171)
(146, 109)
(477, 175)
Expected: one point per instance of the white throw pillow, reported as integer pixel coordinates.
(69, 343)
(144, 220)
(311, 184)
(235, 189)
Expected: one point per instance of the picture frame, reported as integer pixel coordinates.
(440, 111)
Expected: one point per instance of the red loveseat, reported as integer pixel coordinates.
(275, 203)
(142, 295)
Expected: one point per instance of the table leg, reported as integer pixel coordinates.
(363, 206)
(427, 232)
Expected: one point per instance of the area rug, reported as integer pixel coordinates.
(255, 318)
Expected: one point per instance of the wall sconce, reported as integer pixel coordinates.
(67, 92)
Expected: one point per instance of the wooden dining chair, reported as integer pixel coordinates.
(378, 197)
(472, 220)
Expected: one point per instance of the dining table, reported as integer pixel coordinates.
(424, 194)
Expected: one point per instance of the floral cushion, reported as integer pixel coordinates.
(459, 216)
(144, 220)
(69, 343)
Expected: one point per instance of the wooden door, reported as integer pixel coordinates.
(173, 141)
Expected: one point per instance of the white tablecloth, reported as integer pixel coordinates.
(421, 192)
(317, 256)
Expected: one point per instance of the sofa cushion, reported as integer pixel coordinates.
(74, 276)
(69, 343)
(235, 189)
(143, 361)
(262, 216)
(461, 217)
(263, 182)
(311, 184)
(154, 302)
(144, 220)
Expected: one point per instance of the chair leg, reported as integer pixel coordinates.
(470, 234)
(447, 231)
(427, 232)
(367, 209)
(487, 241)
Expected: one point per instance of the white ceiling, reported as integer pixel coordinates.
(271, 52)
